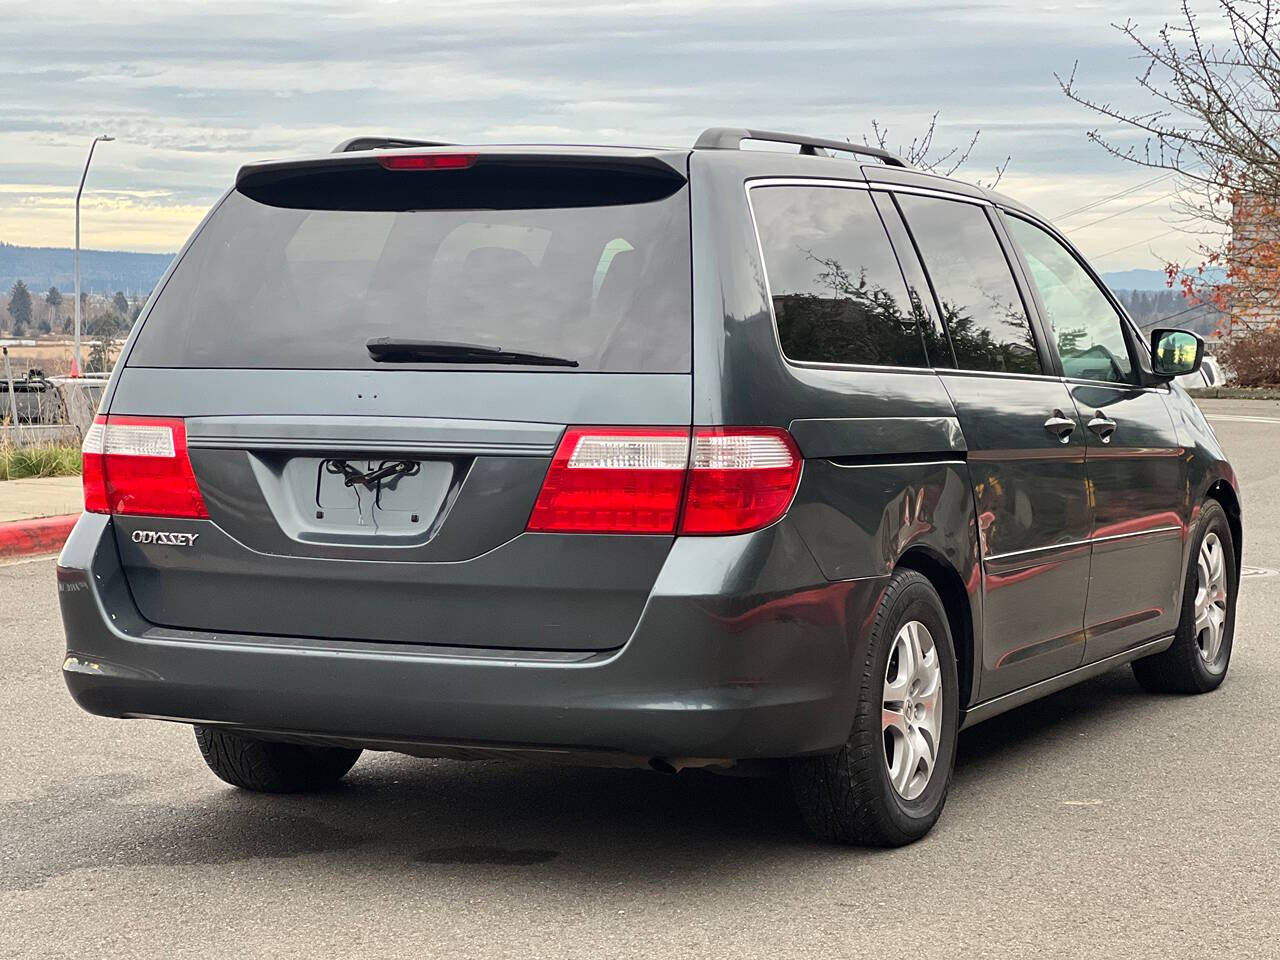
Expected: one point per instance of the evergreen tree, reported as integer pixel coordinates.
(20, 306)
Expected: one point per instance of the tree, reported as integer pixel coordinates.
(20, 306)
(52, 300)
(921, 153)
(120, 303)
(1215, 124)
(101, 330)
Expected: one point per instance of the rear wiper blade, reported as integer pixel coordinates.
(396, 350)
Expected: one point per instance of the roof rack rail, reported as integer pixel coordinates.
(730, 138)
(384, 143)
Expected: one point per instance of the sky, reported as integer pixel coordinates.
(193, 90)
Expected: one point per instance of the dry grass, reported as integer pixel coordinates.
(47, 460)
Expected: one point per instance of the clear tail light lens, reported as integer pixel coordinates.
(644, 480)
(740, 479)
(139, 466)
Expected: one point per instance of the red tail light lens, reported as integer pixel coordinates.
(740, 479)
(614, 480)
(428, 161)
(139, 466)
(642, 480)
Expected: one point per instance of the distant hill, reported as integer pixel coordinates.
(1147, 279)
(101, 271)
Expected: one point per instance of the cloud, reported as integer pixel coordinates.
(192, 89)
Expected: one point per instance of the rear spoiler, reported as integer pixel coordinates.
(490, 177)
(356, 144)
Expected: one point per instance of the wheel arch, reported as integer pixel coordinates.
(946, 580)
(1226, 497)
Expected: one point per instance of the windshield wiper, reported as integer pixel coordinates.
(395, 350)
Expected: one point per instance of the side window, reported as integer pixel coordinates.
(981, 306)
(1086, 327)
(838, 294)
(936, 344)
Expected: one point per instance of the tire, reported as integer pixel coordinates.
(1187, 667)
(849, 797)
(266, 766)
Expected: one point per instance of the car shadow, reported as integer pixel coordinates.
(580, 825)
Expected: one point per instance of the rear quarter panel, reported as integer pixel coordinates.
(885, 469)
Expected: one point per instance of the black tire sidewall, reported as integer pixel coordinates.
(1212, 520)
(917, 601)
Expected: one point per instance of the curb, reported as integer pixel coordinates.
(28, 538)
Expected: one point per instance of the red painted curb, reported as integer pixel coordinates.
(25, 538)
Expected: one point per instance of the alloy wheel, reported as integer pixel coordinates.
(1211, 599)
(912, 709)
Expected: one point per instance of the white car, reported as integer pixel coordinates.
(1209, 375)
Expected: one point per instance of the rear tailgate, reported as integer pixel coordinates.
(355, 498)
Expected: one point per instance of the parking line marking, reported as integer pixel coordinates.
(1241, 418)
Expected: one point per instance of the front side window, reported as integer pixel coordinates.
(981, 306)
(1085, 326)
(838, 294)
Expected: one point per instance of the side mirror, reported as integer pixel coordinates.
(1175, 353)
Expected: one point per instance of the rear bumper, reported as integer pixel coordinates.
(743, 651)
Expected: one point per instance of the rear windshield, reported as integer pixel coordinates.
(266, 285)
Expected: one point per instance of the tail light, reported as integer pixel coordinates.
(606, 480)
(740, 479)
(643, 480)
(139, 466)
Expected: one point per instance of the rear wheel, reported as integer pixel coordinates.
(1201, 652)
(887, 785)
(269, 767)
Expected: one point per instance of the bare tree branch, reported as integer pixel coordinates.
(1216, 124)
(920, 152)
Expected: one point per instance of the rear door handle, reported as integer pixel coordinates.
(1103, 426)
(1060, 426)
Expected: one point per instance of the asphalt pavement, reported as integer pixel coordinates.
(1101, 821)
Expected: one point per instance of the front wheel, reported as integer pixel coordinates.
(1201, 652)
(887, 785)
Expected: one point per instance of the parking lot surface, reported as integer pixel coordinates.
(1101, 821)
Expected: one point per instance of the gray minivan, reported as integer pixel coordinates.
(680, 458)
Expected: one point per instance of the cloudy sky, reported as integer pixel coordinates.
(192, 90)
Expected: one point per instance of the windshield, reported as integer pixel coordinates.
(607, 286)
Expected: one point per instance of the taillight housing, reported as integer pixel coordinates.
(139, 466)
(740, 479)
(614, 480)
(664, 480)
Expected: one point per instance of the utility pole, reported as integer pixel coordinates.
(75, 359)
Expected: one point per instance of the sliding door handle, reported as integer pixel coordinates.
(1103, 426)
(1060, 426)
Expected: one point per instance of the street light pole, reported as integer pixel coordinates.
(75, 360)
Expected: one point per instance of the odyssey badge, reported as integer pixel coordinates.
(165, 537)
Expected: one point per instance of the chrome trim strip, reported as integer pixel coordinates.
(1128, 387)
(1016, 698)
(1088, 541)
(1003, 374)
(855, 367)
(895, 463)
(805, 182)
(928, 192)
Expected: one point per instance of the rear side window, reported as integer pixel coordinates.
(300, 281)
(981, 306)
(838, 294)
